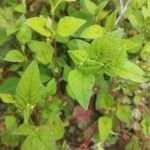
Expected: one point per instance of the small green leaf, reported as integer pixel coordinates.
(43, 51)
(14, 56)
(9, 86)
(133, 45)
(56, 126)
(28, 91)
(93, 32)
(133, 144)
(81, 86)
(124, 113)
(51, 87)
(90, 6)
(145, 124)
(145, 53)
(78, 56)
(75, 44)
(39, 25)
(104, 99)
(104, 127)
(7, 137)
(40, 139)
(68, 25)
(23, 129)
(24, 35)
(110, 22)
(21, 8)
(7, 98)
(128, 70)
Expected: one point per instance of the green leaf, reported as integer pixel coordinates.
(145, 53)
(93, 32)
(21, 8)
(24, 35)
(90, 6)
(39, 25)
(7, 98)
(23, 129)
(54, 4)
(110, 22)
(51, 87)
(104, 127)
(9, 86)
(40, 139)
(145, 124)
(43, 51)
(56, 126)
(107, 50)
(7, 137)
(78, 56)
(75, 44)
(68, 25)
(14, 56)
(134, 44)
(133, 144)
(28, 91)
(124, 113)
(81, 86)
(3, 37)
(128, 70)
(104, 99)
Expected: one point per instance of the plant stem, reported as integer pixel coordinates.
(123, 10)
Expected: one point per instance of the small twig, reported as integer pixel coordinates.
(121, 5)
(123, 10)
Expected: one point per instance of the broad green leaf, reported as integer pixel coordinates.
(24, 35)
(9, 86)
(107, 50)
(93, 32)
(40, 139)
(68, 25)
(81, 86)
(39, 25)
(56, 126)
(124, 113)
(21, 8)
(51, 87)
(133, 144)
(7, 98)
(14, 56)
(80, 58)
(104, 127)
(28, 91)
(128, 70)
(90, 6)
(43, 51)
(7, 137)
(110, 22)
(23, 129)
